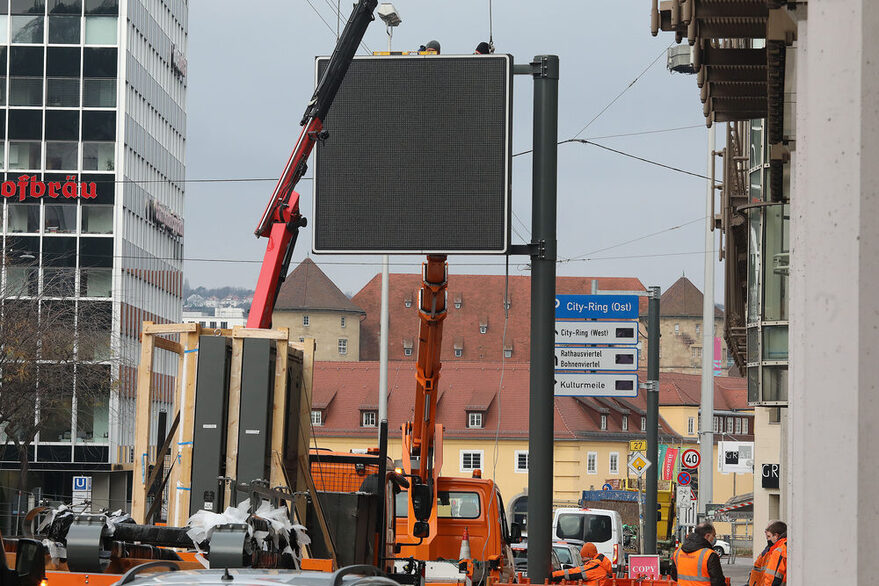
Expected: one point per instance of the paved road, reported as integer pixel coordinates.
(737, 572)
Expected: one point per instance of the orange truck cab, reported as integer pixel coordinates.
(473, 505)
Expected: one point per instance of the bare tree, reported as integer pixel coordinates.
(54, 354)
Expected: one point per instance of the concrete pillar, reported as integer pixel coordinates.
(834, 324)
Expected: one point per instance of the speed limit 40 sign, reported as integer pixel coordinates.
(691, 458)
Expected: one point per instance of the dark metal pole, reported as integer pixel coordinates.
(545, 69)
(652, 419)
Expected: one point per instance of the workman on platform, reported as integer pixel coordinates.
(593, 572)
(695, 562)
(755, 578)
(775, 568)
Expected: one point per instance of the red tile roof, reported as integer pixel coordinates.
(683, 299)
(502, 390)
(730, 393)
(309, 288)
(481, 300)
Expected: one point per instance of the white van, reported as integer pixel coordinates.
(602, 527)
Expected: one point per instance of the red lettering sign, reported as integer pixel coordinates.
(28, 186)
(668, 465)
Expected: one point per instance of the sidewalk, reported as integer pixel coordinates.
(737, 572)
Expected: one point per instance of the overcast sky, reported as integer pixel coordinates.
(251, 74)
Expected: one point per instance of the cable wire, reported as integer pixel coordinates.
(663, 231)
(619, 95)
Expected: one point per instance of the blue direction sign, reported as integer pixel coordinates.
(596, 307)
(684, 478)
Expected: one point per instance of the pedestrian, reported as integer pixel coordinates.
(775, 567)
(695, 562)
(595, 571)
(483, 48)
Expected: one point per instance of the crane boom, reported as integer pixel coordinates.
(282, 218)
(422, 437)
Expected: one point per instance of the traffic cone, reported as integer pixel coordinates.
(464, 554)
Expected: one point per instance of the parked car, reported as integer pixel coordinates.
(603, 527)
(568, 554)
(721, 547)
(520, 557)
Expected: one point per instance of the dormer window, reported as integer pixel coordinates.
(407, 301)
(483, 328)
(625, 423)
(474, 420)
(407, 351)
(508, 351)
(317, 417)
(604, 422)
(459, 301)
(459, 352)
(368, 419)
(408, 344)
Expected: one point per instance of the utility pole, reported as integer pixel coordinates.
(649, 542)
(706, 417)
(545, 71)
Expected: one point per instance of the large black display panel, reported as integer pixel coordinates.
(418, 157)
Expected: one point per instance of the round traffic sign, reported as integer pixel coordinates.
(606, 486)
(684, 478)
(691, 458)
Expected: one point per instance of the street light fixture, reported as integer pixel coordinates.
(390, 17)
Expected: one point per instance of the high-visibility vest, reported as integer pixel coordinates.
(692, 567)
(605, 563)
(755, 578)
(775, 572)
(591, 573)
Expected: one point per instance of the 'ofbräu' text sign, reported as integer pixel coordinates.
(596, 307)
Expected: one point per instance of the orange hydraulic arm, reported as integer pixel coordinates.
(422, 437)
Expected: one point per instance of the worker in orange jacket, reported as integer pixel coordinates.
(775, 569)
(593, 572)
(590, 552)
(695, 561)
(755, 578)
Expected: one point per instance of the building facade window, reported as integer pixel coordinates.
(614, 461)
(342, 321)
(592, 463)
(718, 425)
(474, 420)
(471, 460)
(508, 352)
(483, 328)
(745, 426)
(343, 346)
(604, 422)
(643, 423)
(317, 417)
(459, 352)
(368, 419)
(407, 351)
(625, 423)
(691, 425)
(521, 461)
(729, 425)
(677, 329)
(697, 352)
(305, 321)
(738, 425)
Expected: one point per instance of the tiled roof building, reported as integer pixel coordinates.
(474, 328)
(311, 305)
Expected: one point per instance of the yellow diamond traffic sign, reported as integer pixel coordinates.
(638, 463)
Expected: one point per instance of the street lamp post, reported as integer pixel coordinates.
(391, 18)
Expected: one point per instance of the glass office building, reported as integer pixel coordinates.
(93, 92)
